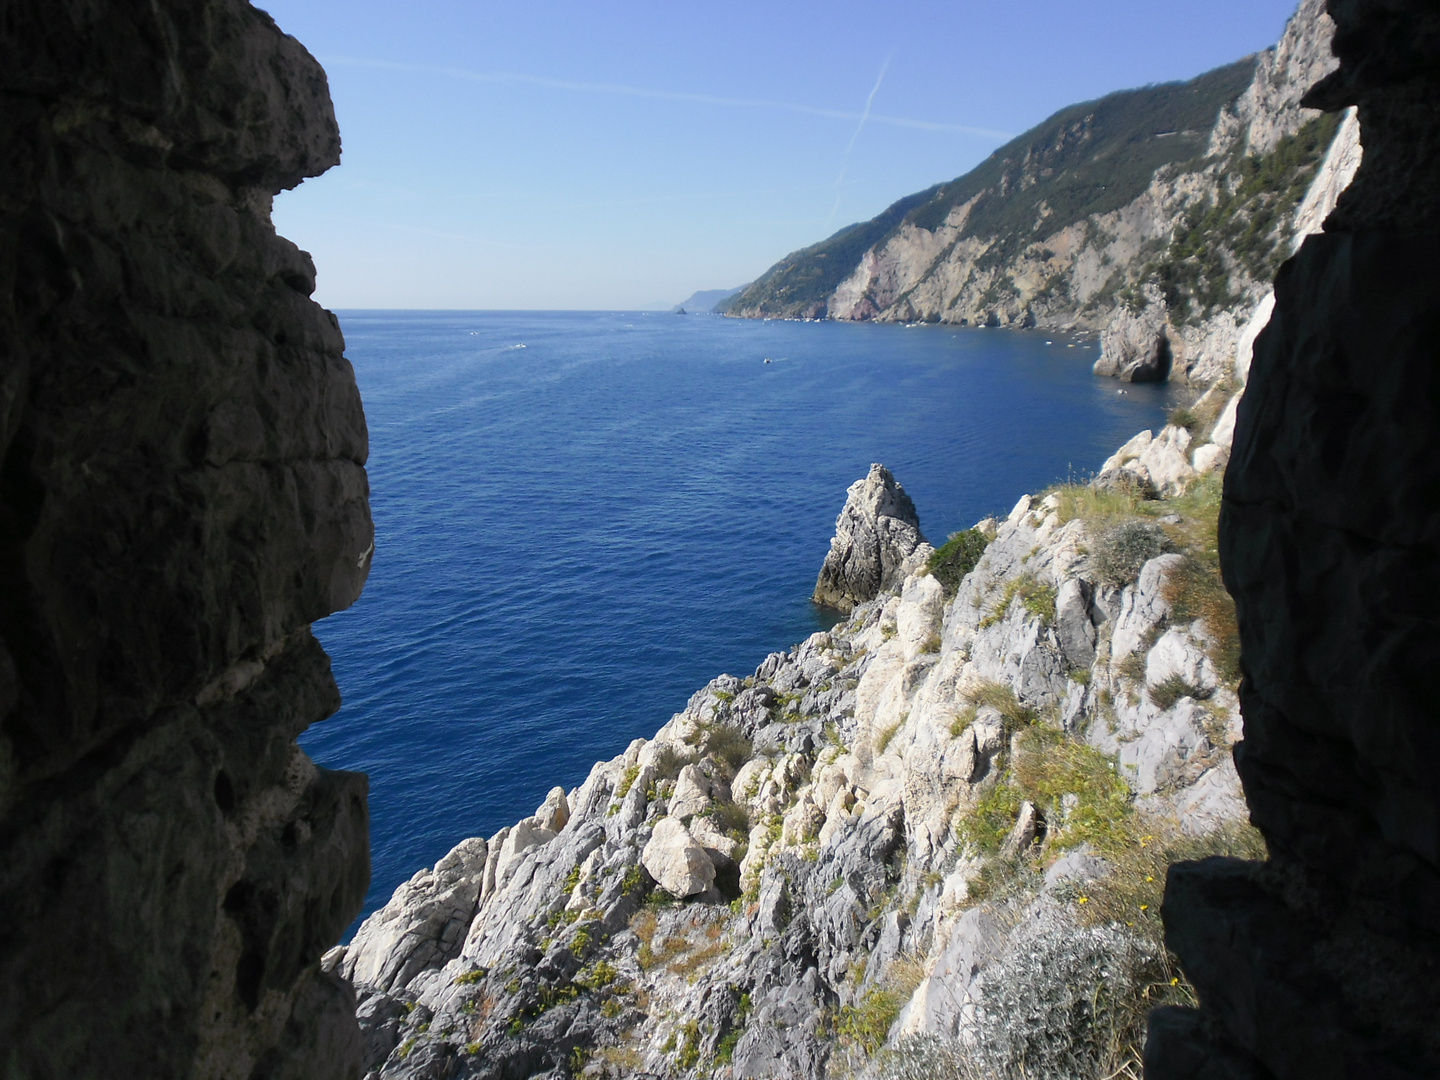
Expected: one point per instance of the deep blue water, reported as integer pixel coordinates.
(574, 536)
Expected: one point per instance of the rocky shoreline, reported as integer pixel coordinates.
(932, 837)
(837, 853)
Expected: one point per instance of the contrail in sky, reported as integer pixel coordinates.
(845, 159)
(619, 90)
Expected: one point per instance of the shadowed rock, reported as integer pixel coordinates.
(1322, 962)
(182, 493)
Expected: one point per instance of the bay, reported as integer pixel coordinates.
(581, 517)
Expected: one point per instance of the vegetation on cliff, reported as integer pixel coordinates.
(1089, 158)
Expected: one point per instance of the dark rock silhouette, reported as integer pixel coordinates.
(1323, 961)
(182, 493)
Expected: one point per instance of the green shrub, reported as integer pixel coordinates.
(956, 558)
(882, 738)
(1000, 697)
(868, 1023)
(1183, 417)
(727, 743)
(689, 1055)
(1122, 550)
(601, 975)
(986, 825)
(669, 761)
(730, 818)
(1172, 688)
(627, 781)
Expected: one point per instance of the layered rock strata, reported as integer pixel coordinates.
(1323, 961)
(182, 493)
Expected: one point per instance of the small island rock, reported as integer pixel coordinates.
(876, 532)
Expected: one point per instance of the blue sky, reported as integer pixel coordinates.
(605, 155)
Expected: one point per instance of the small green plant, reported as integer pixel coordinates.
(1049, 765)
(633, 881)
(963, 719)
(470, 978)
(1132, 666)
(601, 974)
(1183, 417)
(727, 743)
(956, 558)
(1120, 552)
(1000, 697)
(730, 818)
(581, 941)
(1036, 596)
(1172, 688)
(669, 761)
(689, 1055)
(725, 1048)
(1098, 508)
(627, 781)
(867, 1023)
(986, 825)
(883, 737)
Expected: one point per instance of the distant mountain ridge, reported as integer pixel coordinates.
(705, 300)
(1178, 198)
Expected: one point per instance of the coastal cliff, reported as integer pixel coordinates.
(855, 854)
(182, 493)
(932, 838)
(1157, 215)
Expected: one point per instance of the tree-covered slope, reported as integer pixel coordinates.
(1086, 159)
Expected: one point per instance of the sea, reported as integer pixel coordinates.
(582, 517)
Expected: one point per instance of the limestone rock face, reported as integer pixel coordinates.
(424, 923)
(1135, 346)
(676, 861)
(183, 493)
(876, 532)
(1321, 963)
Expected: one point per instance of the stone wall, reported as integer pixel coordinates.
(182, 492)
(1323, 961)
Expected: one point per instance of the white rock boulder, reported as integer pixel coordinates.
(676, 861)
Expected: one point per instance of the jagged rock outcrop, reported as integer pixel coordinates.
(1322, 961)
(182, 493)
(835, 853)
(876, 537)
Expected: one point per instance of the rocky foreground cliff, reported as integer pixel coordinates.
(940, 828)
(1157, 215)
